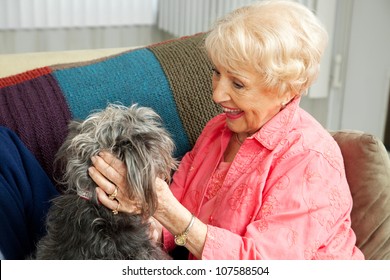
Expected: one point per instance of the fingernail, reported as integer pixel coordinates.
(93, 159)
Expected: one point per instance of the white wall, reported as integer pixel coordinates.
(36, 14)
(368, 68)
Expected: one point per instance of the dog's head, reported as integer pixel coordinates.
(135, 135)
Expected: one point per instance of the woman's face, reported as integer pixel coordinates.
(246, 104)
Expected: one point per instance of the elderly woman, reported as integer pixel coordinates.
(264, 180)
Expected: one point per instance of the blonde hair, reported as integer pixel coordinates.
(282, 40)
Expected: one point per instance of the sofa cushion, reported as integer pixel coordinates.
(367, 167)
(172, 77)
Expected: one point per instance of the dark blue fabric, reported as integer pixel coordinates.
(25, 194)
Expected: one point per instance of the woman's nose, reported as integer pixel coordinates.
(220, 91)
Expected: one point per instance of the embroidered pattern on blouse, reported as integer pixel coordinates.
(311, 252)
(242, 197)
(271, 135)
(217, 179)
(267, 209)
(216, 238)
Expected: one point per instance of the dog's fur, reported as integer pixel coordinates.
(78, 227)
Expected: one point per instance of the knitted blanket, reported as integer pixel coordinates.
(173, 78)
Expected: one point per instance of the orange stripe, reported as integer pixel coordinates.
(25, 76)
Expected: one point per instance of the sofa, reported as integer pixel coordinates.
(40, 93)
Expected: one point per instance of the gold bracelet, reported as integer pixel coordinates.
(181, 239)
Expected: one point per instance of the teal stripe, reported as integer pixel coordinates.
(133, 77)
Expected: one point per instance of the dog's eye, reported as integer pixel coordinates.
(122, 143)
(121, 146)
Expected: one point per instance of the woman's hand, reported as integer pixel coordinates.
(109, 173)
(164, 196)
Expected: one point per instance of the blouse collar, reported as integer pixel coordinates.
(275, 130)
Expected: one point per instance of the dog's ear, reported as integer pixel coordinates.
(74, 128)
(61, 157)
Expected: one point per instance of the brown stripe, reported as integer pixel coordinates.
(188, 70)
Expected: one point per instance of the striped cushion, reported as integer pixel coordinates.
(173, 78)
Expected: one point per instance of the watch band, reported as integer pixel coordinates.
(181, 239)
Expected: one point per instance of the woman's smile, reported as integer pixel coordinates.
(232, 113)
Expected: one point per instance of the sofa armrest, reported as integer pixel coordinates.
(367, 167)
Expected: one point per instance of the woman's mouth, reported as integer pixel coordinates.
(232, 113)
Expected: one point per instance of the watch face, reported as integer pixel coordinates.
(180, 240)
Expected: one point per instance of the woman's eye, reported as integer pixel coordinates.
(215, 72)
(238, 85)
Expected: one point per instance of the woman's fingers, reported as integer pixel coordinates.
(109, 173)
(117, 165)
(110, 167)
(120, 203)
(107, 186)
(104, 199)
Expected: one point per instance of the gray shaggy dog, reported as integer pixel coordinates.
(78, 227)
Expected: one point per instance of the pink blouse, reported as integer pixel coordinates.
(285, 195)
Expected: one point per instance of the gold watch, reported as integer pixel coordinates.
(181, 239)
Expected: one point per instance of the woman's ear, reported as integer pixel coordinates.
(288, 97)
